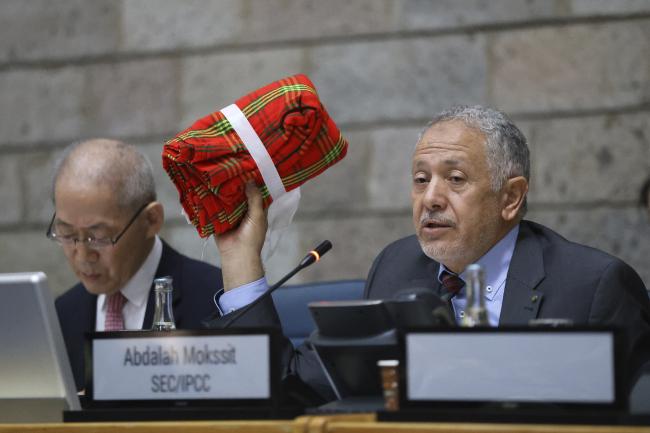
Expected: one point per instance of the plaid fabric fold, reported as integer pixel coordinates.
(209, 164)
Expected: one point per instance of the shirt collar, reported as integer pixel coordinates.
(496, 263)
(136, 290)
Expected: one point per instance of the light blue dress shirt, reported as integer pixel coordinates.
(239, 297)
(496, 263)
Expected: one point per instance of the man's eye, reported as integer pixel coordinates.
(419, 179)
(101, 242)
(456, 179)
(98, 236)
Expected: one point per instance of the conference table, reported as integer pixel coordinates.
(356, 423)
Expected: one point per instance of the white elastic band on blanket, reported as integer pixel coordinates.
(252, 141)
(285, 204)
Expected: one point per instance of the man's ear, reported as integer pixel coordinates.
(155, 216)
(513, 194)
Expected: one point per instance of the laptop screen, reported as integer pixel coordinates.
(37, 382)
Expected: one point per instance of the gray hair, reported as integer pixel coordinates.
(505, 145)
(109, 162)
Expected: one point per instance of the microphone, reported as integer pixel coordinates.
(312, 257)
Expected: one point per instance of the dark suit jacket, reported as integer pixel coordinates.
(194, 282)
(549, 277)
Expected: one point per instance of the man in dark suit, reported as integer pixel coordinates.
(470, 179)
(107, 221)
(548, 277)
(470, 174)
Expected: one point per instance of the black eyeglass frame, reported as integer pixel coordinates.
(90, 240)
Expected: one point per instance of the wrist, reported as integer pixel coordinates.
(241, 269)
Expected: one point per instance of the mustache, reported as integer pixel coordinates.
(429, 217)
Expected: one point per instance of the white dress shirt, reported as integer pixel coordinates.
(136, 292)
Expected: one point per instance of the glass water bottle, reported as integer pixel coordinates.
(163, 317)
(476, 312)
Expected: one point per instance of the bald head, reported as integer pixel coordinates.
(101, 163)
(103, 189)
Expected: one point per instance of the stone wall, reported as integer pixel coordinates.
(574, 74)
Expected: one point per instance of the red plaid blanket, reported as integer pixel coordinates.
(210, 165)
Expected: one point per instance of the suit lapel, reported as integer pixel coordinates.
(522, 297)
(429, 280)
(148, 313)
(88, 311)
(84, 310)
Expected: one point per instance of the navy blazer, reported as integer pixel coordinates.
(195, 284)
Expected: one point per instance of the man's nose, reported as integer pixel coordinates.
(435, 195)
(84, 253)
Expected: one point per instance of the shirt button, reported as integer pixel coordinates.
(488, 289)
(461, 314)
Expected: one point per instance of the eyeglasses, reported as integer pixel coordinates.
(90, 241)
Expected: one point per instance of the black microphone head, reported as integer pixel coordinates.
(315, 254)
(323, 247)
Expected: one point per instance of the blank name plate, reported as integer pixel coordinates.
(522, 366)
(181, 367)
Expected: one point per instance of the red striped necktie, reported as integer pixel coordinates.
(452, 283)
(114, 317)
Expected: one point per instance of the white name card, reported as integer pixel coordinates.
(569, 367)
(182, 367)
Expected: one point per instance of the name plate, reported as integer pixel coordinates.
(169, 366)
(512, 365)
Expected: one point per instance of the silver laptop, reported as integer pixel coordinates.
(36, 382)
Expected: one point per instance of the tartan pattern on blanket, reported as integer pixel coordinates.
(209, 164)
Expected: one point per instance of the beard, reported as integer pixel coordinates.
(460, 249)
(436, 249)
(447, 253)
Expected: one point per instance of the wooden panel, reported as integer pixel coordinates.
(361, 423)
(404, 427)
(155, 427)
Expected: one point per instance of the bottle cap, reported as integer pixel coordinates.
(163, 283)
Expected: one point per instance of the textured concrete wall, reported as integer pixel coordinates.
(575, 74)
